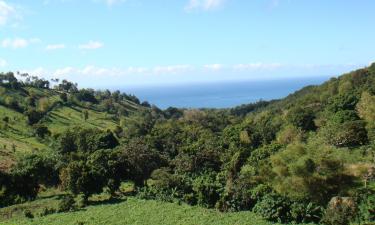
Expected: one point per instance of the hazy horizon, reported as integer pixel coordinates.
(219, 94)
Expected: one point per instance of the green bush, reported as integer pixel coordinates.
(153, 193)
(207, 189)
(304, 212)
(67, 204)
(366, 205)
(47, 211)
(340, 211)
(41, 131)
(81, 201)
(40, 167)
(347, 134)
(275, 208)
(28, 214)
(302, 118)
(33, 116)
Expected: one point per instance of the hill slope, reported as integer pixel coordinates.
(306, 158)
(17, 133)
(142, 212)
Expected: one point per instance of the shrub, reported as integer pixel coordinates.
(66, 204)
(345, 101)
(89, 176)
(340, 211)
(47, 211)
(303, 212)
(142, 160)
(44, 104)
(244, 195)
(28, 214)
(77, 178)
(86, 95)
(274, 207)
(13, 103)
(302, 118)
(366, 205)
(207, 189)
(17, 187)
(345, 116)
(41, 168)
(41, 131)
(347, 134)
(154, 193)
(33, 116)
(163, 179)
(64, 97)
(6, 119)
(86, 140)
(81, 201)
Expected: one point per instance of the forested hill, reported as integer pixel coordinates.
(355, 82)
(32, 112)
(307, 158)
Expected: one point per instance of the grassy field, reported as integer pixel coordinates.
(141, 212)
(65, 117)
(15, 137)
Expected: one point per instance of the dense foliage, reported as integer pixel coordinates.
(308, 158)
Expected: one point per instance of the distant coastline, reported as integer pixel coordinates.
(220, 94)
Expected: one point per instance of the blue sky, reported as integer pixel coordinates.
(145, 42)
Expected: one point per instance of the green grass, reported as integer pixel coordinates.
(142, 212)
(65, 117)
(16, 137)
(49, 200)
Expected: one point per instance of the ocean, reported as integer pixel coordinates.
(219, 94)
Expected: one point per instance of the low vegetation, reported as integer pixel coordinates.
(143, 212)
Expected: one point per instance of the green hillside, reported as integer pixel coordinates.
(307, 158)
(17, 135)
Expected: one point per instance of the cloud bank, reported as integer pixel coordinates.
(18, 42)
(91, 45)
(6, 13)
(205, 5)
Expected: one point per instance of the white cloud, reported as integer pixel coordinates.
(18, 42)
(107, 2)
(257, 66)
(96, 71)
(60, 73)
(214, 67)
(95, 76)
(186, 69)
(6, 12)
(55, 47)
(40, 71)
(3, 63)
(91, 45)
(112, 2)
(277, 3)
(15, 43)
(172, 69)
(203, 5)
